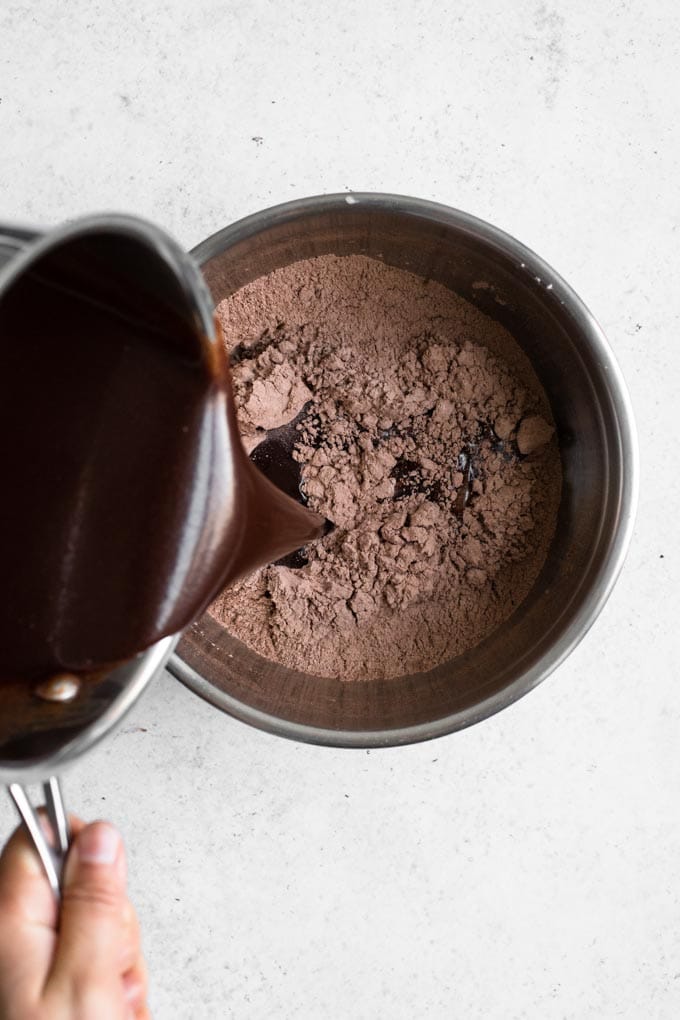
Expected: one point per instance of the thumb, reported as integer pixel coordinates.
(92, 908)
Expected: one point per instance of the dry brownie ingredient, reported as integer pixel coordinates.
(423, 434)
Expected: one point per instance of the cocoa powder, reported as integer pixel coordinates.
(423, 434)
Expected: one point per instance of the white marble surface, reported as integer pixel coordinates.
(528, 867)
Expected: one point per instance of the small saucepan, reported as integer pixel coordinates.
(45, 725)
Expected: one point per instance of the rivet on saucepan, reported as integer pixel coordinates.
(60, 687)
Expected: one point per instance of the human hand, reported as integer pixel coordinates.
(83, 962)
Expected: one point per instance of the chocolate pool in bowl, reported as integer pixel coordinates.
(567, 355)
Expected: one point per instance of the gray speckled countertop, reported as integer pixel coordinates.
(528, 867)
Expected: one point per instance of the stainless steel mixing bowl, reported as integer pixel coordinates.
(599, 454)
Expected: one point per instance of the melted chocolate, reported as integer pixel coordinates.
(128, 500)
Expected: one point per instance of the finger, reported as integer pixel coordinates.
(20, 866)
(24, 890)
(93, 900)
(28, 919)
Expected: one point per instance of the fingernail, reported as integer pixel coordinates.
(98, 844)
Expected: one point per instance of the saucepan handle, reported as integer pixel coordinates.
(52, 854)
